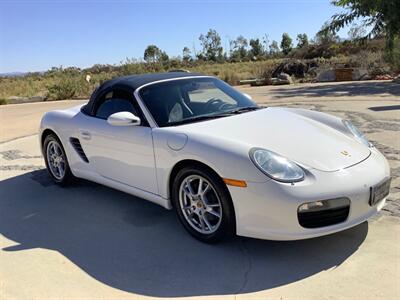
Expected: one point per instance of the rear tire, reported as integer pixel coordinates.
(56, 160)
(203, 204)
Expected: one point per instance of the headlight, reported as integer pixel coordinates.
(275, 166)
(357, 133)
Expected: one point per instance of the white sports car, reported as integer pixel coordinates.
(227, 166)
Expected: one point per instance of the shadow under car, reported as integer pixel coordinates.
(136, 246)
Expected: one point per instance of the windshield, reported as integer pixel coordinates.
(184, 101)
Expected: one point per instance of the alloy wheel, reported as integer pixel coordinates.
(200, 204)
(55, 160)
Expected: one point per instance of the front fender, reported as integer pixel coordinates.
(229, 159)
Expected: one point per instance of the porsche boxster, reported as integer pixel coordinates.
(226, 165)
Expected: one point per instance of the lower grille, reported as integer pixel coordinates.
(78, 148)
(315, 219)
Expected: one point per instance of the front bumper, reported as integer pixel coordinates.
(269, 210)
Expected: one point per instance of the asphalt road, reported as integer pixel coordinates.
(92, 242)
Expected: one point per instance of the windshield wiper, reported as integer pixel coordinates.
(196, 119)
(243, 109)
(214, 116)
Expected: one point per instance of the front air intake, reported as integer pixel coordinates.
(324, 218)
(76, 144)
(323, 213)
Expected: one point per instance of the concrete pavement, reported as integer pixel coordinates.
(18, 120)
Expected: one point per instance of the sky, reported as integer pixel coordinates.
(37, 35)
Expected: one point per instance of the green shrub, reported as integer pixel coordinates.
(230, 77)
(395, 61)
(393, 57)
(3, 101)
(68, 87)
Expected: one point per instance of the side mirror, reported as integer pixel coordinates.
(247, 96)
(123, 118)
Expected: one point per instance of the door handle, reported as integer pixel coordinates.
(86, 135)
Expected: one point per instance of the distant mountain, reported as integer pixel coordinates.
(13, 74)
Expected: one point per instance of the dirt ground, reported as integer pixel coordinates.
(92, 242)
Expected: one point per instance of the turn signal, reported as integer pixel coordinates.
(235, 182)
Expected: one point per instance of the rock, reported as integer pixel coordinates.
(397, 79)
(295, 68)
(17, 100)
(312, 71)
(260, 82)
(279, 81)
(285, 77)
(366, 77)
(326, 75)
(360, 74)
(37, 99)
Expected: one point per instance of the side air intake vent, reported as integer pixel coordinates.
(78, 148)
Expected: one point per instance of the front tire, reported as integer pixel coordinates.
(203, 204)
(56, 160)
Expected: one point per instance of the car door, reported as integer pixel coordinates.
(119, 153)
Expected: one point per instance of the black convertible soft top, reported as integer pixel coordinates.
(136, 81)
(131, 83)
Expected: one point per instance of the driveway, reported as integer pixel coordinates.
(18, 120)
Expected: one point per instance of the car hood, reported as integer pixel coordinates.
(306, 141)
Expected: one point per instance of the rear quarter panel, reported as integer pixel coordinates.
(65, 124)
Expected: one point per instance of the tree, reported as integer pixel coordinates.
(256, 48)
(382, 16)
(164, 58)
(326, 37)
(265, 41)
(274, 48)
(357, 32)
(186, 54)
(239, 48)
(302, 40)
(152, 54)
(211, 43)
(286, 43)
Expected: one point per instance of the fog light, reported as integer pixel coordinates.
(311, 206)
(324, 205)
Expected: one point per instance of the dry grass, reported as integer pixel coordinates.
(67, 83)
